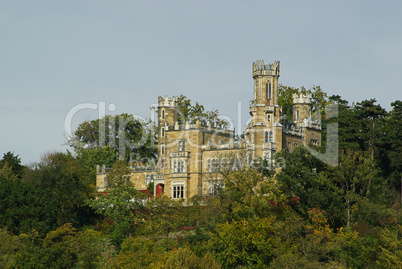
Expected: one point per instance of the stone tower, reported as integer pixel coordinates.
(301, 107)
(266, 83)
(167, 112)
(167, 116)
(265, 113)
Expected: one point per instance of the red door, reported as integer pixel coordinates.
(159, 189)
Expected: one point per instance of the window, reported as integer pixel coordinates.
(149, 179)
(268, 117)
(163, 132)
(163, 163)
(163, 149)
(178, 167)
(213, 165)
(163, 114)
(178, 191)
(271, 136)
(266, 136)
(297, 115)
(182, 145)
(268, 94)
(214, 187)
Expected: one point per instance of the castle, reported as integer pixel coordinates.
(189, 153)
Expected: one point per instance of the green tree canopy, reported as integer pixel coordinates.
(189, 112)
(12, 163)
(285, 99)
(67, 185)
(124, 133)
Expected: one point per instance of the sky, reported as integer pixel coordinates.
(61, 57)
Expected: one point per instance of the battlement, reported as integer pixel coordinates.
(167, 101)
(291, 128)
(177, 126)
(261, 69)
(229, 145)
(302, 98)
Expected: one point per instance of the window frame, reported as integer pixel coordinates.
(178, 191)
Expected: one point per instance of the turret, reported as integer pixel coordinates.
(167, 110)
(167, 115)
(266, 82)
(301, 107)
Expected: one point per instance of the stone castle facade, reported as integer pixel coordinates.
(189, 153)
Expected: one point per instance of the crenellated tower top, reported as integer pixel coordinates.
(166, 101)
(261, 69)
(302, 98)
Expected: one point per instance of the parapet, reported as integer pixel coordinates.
(261, 69)
(166, 101)
(178, 126)
(302, 98)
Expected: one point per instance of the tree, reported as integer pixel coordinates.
(299, 181)
(390, 250)
(24, 207)
(94, 249)
(347, 125)
(164, 215)
(8, 248)
(243, 194)
(140, 252)
(371, 120)
(353, 178)
(248, 243)
(64, 247)
(124, 133)
(285, 99)
(64, 181)
(7, 172)
(393, 144)
(188, 112)
(91, 158)
(122, 203)
(185, 258)
(13, 163)
(122, 199)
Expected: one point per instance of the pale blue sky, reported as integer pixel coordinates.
(58, 54)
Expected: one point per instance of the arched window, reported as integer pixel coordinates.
(266, 136)
(271, 136)
(268, 90)
(163, 114)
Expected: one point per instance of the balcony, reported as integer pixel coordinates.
(269, 146)
(180, 154)
(250, 146)
(269, 109)
(179, 175)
